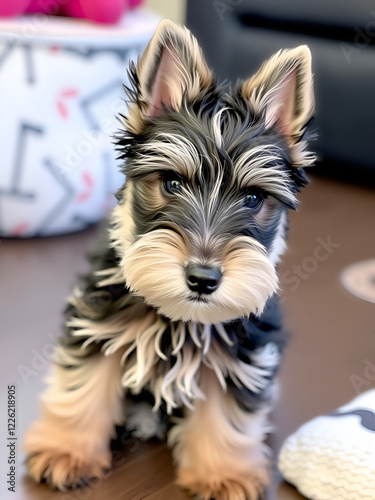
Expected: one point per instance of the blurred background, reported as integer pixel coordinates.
(60, 88)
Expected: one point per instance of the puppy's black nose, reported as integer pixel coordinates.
(203, 279)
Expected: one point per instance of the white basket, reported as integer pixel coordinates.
(60, 90)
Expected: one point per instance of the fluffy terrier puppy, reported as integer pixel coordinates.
(182, 304)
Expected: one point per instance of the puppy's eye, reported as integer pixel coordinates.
(253, 200)
(172, 183)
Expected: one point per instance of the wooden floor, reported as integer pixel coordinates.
(333, 333)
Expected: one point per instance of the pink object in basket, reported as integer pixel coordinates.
(43, 6)
(12, 8)
(73, 8)
(135, 3)
(101, 11)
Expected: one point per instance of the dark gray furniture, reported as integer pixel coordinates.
(237, 35)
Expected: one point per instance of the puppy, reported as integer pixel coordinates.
(181, 306)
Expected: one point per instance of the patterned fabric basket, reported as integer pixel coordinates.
(60, 90)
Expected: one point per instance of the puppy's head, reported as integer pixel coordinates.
(201, 221)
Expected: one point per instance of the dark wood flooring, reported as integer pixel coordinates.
(333, 333)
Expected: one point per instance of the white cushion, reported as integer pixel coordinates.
(333, 457)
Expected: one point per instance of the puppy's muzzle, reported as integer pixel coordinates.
(203, 279)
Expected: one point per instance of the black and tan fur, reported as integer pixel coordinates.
(134, 325)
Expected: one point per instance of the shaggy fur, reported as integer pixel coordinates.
(210, 176)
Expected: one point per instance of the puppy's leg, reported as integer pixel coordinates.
(219, 446)
(70, 443)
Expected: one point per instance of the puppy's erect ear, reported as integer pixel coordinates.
(172, 65)
(283, 87)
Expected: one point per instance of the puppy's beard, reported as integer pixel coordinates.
(154, 268)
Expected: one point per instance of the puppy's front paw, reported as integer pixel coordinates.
(63, 460)
(62, 470)
(234, 487)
